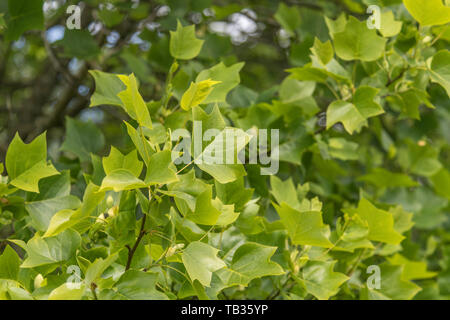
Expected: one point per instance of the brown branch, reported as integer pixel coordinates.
(55, 60)
(391, 81)
(132, 251)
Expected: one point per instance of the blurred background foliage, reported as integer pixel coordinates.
(44, 73)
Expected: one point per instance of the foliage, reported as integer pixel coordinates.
(107, 213)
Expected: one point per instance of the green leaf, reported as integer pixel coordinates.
(389, 26)
(336, 26)
(160, 169)
(66, 292)
(380, 222)
(116, 160)
(439, 68)
(345, 112)
(111, 18)
(409, 102)
(78, 219)
(428, 12)
(9, 264)
(142, 145)
(295, 91)
(82, 139)
(351, 233)
(137, 285)
(13, 290)
(393, 287)
(193, 198)
(132, 101)
(107, 87)
(227, 76)
(320, 280)
(227, 213)
(184, 45)
(234, 193)
(323, 51)
(41, 212)
(383, 178)
(216, 152)
(23, 15)
(419, 159)
(340, 148)
(197, 93)
(304, 227)
(201, 261)
(79, 44)
(220, 157)
(44, 251)
(97, 268)
(288, 18)
(123, 224)
(402, 219)
(412, 270)
(354, 115)
(250, 261)
(121, 179)
(2, 21)
(357, 42)
(441, 183)
(25, 172)
(53, 187)
(284, 191)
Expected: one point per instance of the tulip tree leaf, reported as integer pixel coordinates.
(412, 270)
(201, 261)
(184, 45)
(121, 179)
(22, 16)
(354, 115)
(380, 222)
(357, 42)
(107, 87)
(428, 12)
(44, 251)
(197, 93)
(9, 264)
(133, 102)
(116, 160)
(304, 227)
(320, 280)
(323, 51)
(227, 76)
(136, 285)
(250, 261)
(392, 286)
(389, 26)
(440, 69)
(26, 164)
(288, 18)
(160, 169)
(82, 139)
(193, 198)
(383, 178)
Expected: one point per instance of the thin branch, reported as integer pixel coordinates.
(55, 60)
(132, 251)
(401, 74)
